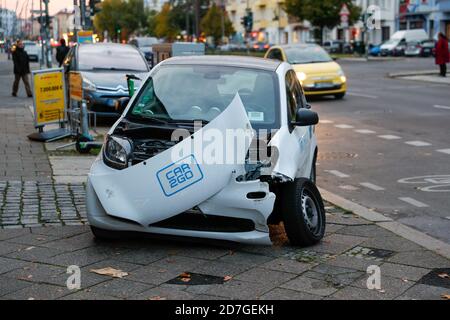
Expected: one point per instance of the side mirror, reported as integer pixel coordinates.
(306, 118)
(121, 104)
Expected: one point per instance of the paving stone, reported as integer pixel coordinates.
(8, 285)
(40, 273)
(311, 286)
(393, 243)
(34, 254)
(87, 295)
(390, 287)
(32, 239)
(424, 292)
(220, 269)
(352, 293)
(402, 271)
(336, 280)
(288, 265)
(154, 275)
(286, 294)
(73, 243)
(158, 293)
(38, 292)
(119, 288)
(352, 262)
(236, 289)
(371, 231)
(260, 275)
(142, 256)
(424, 259)
(6, 247)
(244, 258)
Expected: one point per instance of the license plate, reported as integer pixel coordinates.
(324, 85)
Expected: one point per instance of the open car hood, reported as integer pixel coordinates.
(151, 191)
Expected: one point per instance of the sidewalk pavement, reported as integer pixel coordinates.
(430, 76)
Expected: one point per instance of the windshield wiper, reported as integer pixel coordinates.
(149, 119)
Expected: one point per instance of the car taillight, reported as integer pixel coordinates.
(266, 46)
(255, 46)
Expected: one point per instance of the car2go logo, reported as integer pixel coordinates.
(179, 175)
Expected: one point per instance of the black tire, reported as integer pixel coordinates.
(302, 199)
(339, 96)
(105, 235)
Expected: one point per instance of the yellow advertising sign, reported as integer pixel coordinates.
(49, 96)
(76, 86)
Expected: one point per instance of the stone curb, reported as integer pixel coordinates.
(418, 237)
(412, 73)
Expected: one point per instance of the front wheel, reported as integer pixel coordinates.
(303, 212)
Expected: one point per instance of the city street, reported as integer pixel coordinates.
(380, 145)
(384, 132)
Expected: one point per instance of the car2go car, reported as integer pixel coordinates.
(150, 178)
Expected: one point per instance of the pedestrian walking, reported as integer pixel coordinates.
(442, 54)
(61, 52)
(21, 68)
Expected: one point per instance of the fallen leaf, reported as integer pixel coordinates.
(381, 291)
(185, 275)
(156, 298)
(227, 278)
(446, 296)
(185, 279)
(29, 248)
(108, 271)
(405, 280)
(162, 270)
(443, 276)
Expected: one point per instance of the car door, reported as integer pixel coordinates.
(303, 135)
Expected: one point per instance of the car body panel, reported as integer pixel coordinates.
(144, 193)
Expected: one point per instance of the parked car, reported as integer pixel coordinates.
(33, 49)
(333, 46)
(316, 70)
(375, 50)
(260, 46)
(397, 44)
(145, 45)
(420, 48)
(104, 67)
(151, 179)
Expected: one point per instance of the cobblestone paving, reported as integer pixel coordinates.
(34, 260)
(33, 204)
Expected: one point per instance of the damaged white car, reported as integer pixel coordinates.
(213, 148)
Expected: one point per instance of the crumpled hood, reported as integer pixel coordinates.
(151, 191)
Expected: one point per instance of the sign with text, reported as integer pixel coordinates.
(49, 96)
(85, 36)
(75, 86)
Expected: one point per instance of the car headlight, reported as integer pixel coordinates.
(301, 76)
(342, 76)
(117, 152)
(88, 85)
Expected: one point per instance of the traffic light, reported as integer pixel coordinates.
(95, 6)
(249, 25)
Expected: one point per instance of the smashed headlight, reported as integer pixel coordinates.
(117, 152)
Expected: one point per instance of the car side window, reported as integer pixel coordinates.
(275, 54)
(291, 96)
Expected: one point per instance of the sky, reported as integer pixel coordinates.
(54, 5)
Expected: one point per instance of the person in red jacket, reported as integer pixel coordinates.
(442, 54)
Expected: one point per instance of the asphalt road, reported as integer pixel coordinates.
(405, 173)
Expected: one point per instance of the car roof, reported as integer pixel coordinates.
(298, 45)
(106, 45)
(231, 61)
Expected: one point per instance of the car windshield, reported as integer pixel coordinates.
(110, 57)
(309, 54)
(392, 41)
(147, 42)
(197, 92)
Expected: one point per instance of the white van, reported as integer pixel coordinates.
(397, 44)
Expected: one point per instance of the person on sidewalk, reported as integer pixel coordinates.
(61, 52)
(21, 68)
(442, 54)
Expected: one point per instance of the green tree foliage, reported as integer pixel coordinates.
(164, 26)
(321, 13)
(211, 24)
(121, 18)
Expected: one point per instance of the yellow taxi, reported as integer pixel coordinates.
(318, 73)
